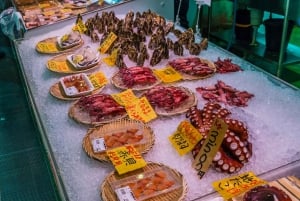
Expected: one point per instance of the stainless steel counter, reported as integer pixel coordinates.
(272, 118)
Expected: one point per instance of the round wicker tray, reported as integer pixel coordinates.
(115, 127)
(116, 80)
(107, 193)
(188, 103)
(83, 117)
(211, 64)
(58, 50)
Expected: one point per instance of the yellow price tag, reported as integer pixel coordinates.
(98, 79)
(111, 59)
(125, 98)
(80, 26)
(236, 185)
(66, 10)
(44, 5)
(60, 66)
(185, 138)
(49, 13)
(126, 159)
(210, 146)
(168, 74)
(107, 42)
(47, 47)
(100, 2)
(141, 110)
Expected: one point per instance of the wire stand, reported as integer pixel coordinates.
(177, 22)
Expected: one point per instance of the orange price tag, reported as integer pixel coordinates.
(98, 79)
(60, 66)
(107, 42)
(126, 159)
(141, 110)
(185, 138)
(168, 74)
(236, 185)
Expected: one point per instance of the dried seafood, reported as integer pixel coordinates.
(221, 92)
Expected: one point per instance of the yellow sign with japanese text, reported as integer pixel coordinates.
(47, 47)
(111, 59)
(58, 66)
(126, 159)
(236, 185)
(80, 26)
(185, 138)
(126, 97)
(107, 42)
(210, 146)
(141, 110)
(167, 74)
(98, 79)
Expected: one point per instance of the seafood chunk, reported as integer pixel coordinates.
(69, 40)
(87, 57)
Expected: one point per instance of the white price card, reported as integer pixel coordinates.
(125, 194)
(98, 145)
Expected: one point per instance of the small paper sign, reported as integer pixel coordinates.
(111, 59)
(47, 47)
(125, 98)
(141, 110)
(126, 159)
(168, 74)
(80, 26)
(210, 146)
(107, 42)
(185, 138)
(236, 185)
(125, 194)
(98, 79)
(58, 66)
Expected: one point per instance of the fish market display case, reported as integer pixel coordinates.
(272, 117)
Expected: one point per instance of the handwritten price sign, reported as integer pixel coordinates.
(126, 159)
(168, 74)
(141, 110)
(185, 138)
(98, 79)
(236, 185)
(125, 98)
(210, 146)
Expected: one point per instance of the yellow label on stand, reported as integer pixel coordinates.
(125, 98)
(236, 185)
(168, 74)
(58, 66)
(47, 47)
(185, 138)
(98, 79)
(111, 59)
(126, 159)
(141, 110)
(210, 146)
(80, 26)
(107, 42)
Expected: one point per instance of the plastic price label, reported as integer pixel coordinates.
(98, 145)
(185, 138)
(168, 74)
(98, 79)
(107, 42)
(236, 185)
(126, 159)
(125, 194)
(141, 110)
(210, 146)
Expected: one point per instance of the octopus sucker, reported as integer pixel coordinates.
(235, 150)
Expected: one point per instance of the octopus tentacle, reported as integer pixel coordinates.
(238, 128)
(223, 163)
